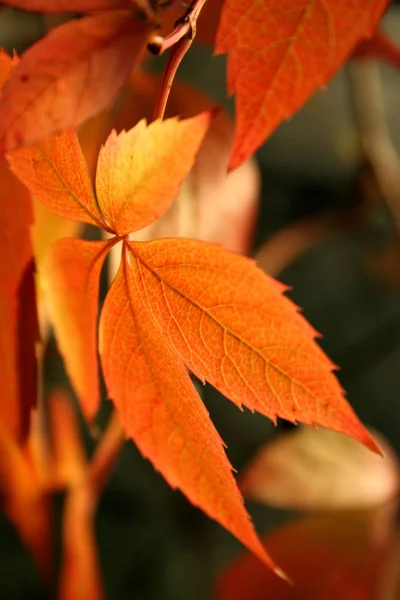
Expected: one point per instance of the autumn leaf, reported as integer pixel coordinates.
(232, 326)
(7, 64)
(320, 470)
(19, 328)
(72, 73)
(132, 184)
(161, 410)
(332, 556)
(178, 303)
(279, 53)
(70, 280)
(212, 205)
(56, 173)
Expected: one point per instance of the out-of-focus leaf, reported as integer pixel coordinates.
(19, 327)
(71, 74)
(320, 470)
(330, 557)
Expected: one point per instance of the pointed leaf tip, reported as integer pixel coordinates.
(161, 410)
(244, 336)
(274, 69)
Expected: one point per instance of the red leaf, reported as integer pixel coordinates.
(18, 299)
(160, 408)
(281, 52)
(68, 76)
(139, 172)
(328, 557)
(381, 47)
(231, 325)
(70, 275)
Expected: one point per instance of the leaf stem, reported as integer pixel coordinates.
(179, 40)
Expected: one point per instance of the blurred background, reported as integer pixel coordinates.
(328, 225)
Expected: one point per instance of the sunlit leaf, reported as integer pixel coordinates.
(161, 410)
(139, 172)
(232, 326)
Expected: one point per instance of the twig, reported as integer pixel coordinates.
(174, 60)
(179, 40)
(378, 148)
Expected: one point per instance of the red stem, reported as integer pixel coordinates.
(180, 40)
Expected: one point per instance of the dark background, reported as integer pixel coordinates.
(153, 544)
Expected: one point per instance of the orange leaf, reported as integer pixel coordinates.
(328, 557)
(70, 275)
(69, 75)
(281, 52)
(232, 326)
(380, 46)
(211, 205)
(139, 172)
(6, 66)
(161, 410)
(56, 173)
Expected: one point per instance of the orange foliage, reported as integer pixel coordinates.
(282, 52)
(177, 302)
(17, 301)
(176, 305)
